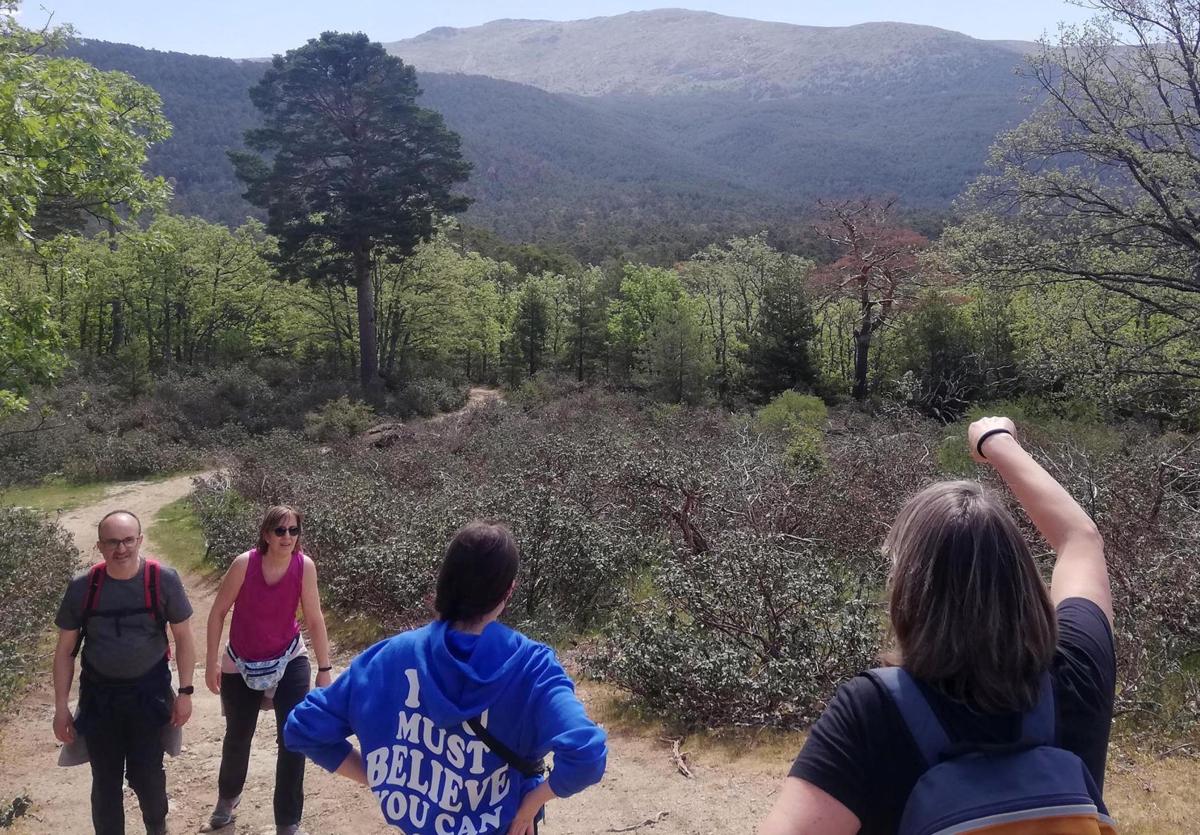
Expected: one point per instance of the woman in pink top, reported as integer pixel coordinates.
(265, 657)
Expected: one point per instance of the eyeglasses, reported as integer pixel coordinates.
(114, 544)
(294, 531)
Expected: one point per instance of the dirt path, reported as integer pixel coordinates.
(730, 792)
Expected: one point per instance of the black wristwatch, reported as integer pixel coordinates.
(186, 691)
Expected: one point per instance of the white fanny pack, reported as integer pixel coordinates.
(263, 675)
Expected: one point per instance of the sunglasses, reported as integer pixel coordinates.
(293, 531)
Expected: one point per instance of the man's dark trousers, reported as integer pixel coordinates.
(123, 728)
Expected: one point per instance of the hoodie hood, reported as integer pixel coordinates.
(463, 674)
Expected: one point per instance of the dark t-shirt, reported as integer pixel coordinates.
(127, 646)
(861, 752)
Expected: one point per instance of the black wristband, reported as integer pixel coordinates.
(324, 669)
(997, 431)
(186, 691)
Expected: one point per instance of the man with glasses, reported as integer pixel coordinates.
(119, 614)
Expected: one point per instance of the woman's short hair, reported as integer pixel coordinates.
(479, 568)
(970, 613)
(274, 518)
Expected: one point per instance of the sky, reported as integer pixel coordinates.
(260, 28)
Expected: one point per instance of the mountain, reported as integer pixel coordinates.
(629, 130)
(675, 51)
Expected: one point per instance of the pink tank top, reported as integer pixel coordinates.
(264, 616)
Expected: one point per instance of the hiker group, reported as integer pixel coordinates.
(991, 712)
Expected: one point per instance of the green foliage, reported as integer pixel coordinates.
(37, 558)
(30, 343)
(677, 354)
(790, 410)
(178, 539)
(72, 138)
(338, 420)
(801, 420)
(342, 183)
(229, 523)
(756, 632)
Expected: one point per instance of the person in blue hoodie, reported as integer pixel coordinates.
(454, 718)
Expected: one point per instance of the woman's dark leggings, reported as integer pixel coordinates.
(241, 706)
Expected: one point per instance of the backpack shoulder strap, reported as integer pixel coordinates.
(926, 729)
(153, 589)
(529, 768)
(152, 581)
(91, 598)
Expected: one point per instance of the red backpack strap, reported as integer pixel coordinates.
(152, 582)
(91, 599)
(95, 581)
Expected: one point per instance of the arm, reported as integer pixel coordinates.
(314, 618)
(185, 661)
(563, 727)
(231, 584)
(803, 809)
(319, 725)
(1080, 569)
(527, 812)
(352, 768)
(64, 672)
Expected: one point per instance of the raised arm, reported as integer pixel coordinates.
(1080, 569)
(231, 584)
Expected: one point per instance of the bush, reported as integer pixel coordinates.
(425, 398)
(791, 409)
(338, 420)
(115, 457)
(800, 419)
(229, 522)
(36, 561)
(755, 631)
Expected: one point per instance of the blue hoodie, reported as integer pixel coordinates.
(408, 699)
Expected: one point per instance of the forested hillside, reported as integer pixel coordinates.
(884, 109)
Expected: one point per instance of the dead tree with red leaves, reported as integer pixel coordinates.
(877, 268)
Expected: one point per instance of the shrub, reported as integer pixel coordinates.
(114, 457)
(338, 420)
(36, 561)
(755, 631)
(800, 419)
(229, 522)
(791, 409)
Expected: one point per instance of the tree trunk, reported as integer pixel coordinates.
(862, 347)
(118, 325)
(368, 350)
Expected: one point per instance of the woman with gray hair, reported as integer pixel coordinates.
(996, 685)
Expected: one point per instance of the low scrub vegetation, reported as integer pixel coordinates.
(36, 560)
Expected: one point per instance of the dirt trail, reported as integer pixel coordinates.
(641, 792)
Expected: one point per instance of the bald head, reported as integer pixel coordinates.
(119, 516)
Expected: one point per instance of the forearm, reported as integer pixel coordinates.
(540, 796)
(1053, 511)
(352, 768)
(320, 638)
(64, 673)
(212, 634)
(185, 657)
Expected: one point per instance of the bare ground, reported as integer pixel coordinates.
(733, 785)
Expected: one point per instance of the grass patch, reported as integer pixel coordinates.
(177, 537)
(53, 495)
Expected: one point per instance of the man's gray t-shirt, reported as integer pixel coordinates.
(127, 646)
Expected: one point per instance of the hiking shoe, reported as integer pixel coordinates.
(223, 814)
(290, 829)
